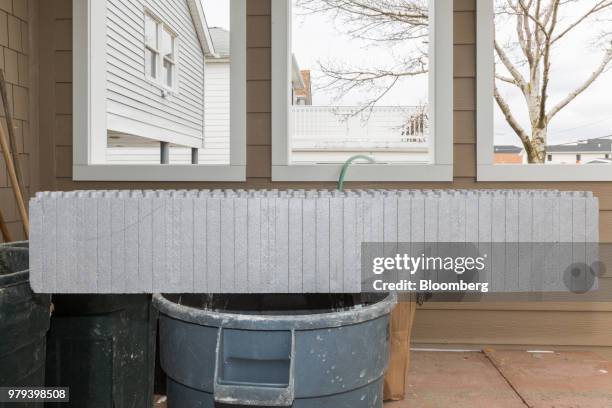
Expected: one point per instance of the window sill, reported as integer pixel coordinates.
(158, 172)
(164, 90)
(544, 172)
(364, 172)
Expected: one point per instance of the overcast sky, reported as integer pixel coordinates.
(217, 13)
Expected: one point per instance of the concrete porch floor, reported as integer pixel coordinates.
(505, 379)
(508, 379)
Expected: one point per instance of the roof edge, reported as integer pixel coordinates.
(199, 20)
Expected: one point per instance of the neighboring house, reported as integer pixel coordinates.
(581, 152)
(303, 92)
(156, 52)
(298, 85)
(600, 161)
(509, 154)
(215, 111)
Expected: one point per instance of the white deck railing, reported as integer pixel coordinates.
(346, 128)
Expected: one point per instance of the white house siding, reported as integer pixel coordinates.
(146, 155)
(216, 113)
(217, 126)
(134, 104)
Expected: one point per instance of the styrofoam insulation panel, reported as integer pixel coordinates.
(296, 241)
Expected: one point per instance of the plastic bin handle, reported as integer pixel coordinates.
(252, 393)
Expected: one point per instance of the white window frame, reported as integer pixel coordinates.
(487, 170)
(159, 80)
(89, 106)
(440, 98)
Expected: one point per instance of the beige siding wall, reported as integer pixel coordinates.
(14, 59)
(513, 323)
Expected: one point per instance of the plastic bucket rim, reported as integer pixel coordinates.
(16, 277)
(235, 320)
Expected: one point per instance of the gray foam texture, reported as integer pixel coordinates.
(295, 241)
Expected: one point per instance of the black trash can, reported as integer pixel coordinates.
(103, 348)
(24, 321)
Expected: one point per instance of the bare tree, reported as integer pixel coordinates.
(385, 23)
(541, 26)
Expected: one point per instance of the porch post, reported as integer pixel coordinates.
(164, 152)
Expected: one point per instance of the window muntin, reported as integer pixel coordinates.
(151, 47)
(167, 51)
(160, 48)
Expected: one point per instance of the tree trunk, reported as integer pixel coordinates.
(536, 151)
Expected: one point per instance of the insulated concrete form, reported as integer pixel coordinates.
(295, 241)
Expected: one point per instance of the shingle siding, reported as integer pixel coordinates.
(14, 52)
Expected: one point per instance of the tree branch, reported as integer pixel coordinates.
(506, 79)
(378, 23)
(374, 20)
(600, 69)
(505, 108)
(601, 5)
(542, 119)
(511, 68)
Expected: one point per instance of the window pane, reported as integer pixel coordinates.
(359, 81)
(169, 73)
(167, 44)
(150, 63)
(553, 104)
(150, 32)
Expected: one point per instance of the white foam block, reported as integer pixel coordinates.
(285, 241)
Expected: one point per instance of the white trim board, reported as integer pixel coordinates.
(90, 116)
(485, 77)
(159, 172)
(363, 172)
(441, 98)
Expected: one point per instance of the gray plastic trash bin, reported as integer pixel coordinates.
(301, 351)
